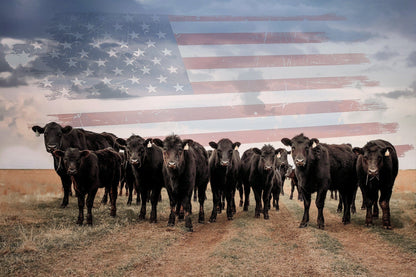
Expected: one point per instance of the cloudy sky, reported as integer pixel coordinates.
(385, 31)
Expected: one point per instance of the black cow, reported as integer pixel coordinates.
(57, 137)
(244, 176)
(320, 167)
(281, 164)
(377, 168)
(263, 176)
(290, 174)
(224, 166)
(147, 163)
(185, 166)
(90, 170)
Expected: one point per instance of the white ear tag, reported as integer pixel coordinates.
(186, 147)
(278, 155)
(314, 145)
(387, 153)
(149, 145)
(236, 147)
(37, 133)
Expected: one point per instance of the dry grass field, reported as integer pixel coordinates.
(38, 238)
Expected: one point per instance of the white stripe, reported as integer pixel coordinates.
(260, 73)
(278, 49)
(61, 106)
(237, 124)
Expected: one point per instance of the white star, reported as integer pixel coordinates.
(46, 83)
(138, 53)
(95, 44)
(59, 73)
(145, 27)
(124, 89)
(66, 45)
(112, 53)
(117, 26)
(89, 26)
(36, 45)
(61, 27)
(84, 54)
(88, 72)
(129, 61)
(167, 52)
(72, 63)
(150, 43)
(128, 17)
(145, 70)
(162, 79)
(155, 18)
(151, 88)
(65, 92)
(124, 44)
(156, 60)
(77, 82)
(173, 69)
(133, 35)
(118, 71)
(101, 62)
(134, 80)
(54, 54)
(106, 81)
(77, 35)
(178, 87)
(161, 35)
(94, 91)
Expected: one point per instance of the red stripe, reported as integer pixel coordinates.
(402, 149)
(274, 61)
(323, 17)
(210, 113)
(250, 38)
(271, 135)
(212, 87)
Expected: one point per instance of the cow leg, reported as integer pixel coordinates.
(385, 207)
(241, 193)
(201, 199)
(266, 202)
(186, 204)
(375, 207)
(172, 215)
(320, 202)
(90, 203)
(292, 189)
(339, 209)
(113, 200)
(105, 196)
(195, 193)
(154, 201)
(306, 205)
(233, 206)
(81, 204)
(215, 203)
(229, 198)
(142, 214)
(257, 197)
(346, 199)
(66, 185)
(246, 197)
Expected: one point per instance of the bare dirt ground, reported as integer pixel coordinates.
(37, 238)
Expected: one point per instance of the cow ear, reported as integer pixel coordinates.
(358, 151)
(157, 142)
(148, 143)
(278, 153)
(289, 152)
(387, 151)
(85, 153)
(236, 145)
(286, 141)
(58, 153)
(313, 142)
(121, 141)
(66, 129)
(186, 143)
(257, 151)
(38, 130)
(213, 144)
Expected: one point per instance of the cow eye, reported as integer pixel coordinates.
(230, 152)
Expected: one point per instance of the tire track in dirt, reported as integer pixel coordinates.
(364, 248)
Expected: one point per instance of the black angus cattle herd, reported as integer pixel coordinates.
(91, 160)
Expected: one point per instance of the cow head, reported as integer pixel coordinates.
(224, 150)
(373, 156)
(135, 148)
(52, 134)
(301, 147)
(173, 151)
(281, 159)
(72, 159)
(267, 157)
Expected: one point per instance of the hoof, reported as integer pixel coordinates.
(303, 225)
(387, 227)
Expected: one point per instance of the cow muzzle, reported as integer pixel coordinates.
(267, 167)
(72, 171)
(51, 147)
(300, 162)
(172, 164)
(372, 172)
(134, 161)
(224, 163)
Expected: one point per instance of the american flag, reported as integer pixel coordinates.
(252, 79)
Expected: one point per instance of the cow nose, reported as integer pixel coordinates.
(51, 147)
(267, 167)
(72, 171)
(134, 161)
(372, 171)
(172, 164)
(300, 162)
(225, 163)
